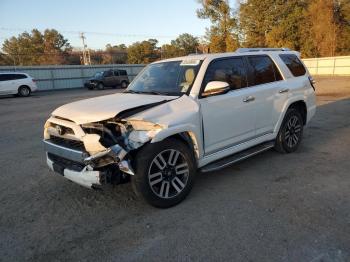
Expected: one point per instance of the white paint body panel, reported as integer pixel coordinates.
(104, 107)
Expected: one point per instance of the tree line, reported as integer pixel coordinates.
(316, 28)
(51, 48)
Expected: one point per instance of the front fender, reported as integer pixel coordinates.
(192, 130)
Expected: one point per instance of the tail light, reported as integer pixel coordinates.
(312, 82)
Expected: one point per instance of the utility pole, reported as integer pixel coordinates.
(86, 51)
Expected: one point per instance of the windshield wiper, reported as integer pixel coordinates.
(132, 92)
(152, 93)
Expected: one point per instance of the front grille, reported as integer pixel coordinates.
(65, 163)
(72, 144)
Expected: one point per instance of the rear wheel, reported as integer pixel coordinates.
(100, 86)
(165, 173)
(290, 133)
(24, 91)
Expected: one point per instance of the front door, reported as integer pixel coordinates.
(108, 78)
(228, 119)
(6, 84)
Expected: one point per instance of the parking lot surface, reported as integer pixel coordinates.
(271, 207)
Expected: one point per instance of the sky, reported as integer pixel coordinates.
(104, 21)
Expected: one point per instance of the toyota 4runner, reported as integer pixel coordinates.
(183, 114)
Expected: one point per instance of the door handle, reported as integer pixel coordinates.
(283, 91)
(248, 99)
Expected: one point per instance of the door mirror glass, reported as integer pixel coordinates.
(216, 88)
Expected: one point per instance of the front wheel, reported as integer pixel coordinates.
(165, 173)
(100, 86)
(290, 133)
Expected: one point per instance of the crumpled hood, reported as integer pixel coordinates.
(105, 107)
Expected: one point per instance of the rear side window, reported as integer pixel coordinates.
(264, 70)
(231, 70)
(122, 72)
(18, 76)
(295, 66)
(116, 73)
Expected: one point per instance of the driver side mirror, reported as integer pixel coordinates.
(216, 88)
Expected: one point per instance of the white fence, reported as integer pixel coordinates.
(338, 65)
(68, 76)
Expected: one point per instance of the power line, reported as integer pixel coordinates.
(94, 33)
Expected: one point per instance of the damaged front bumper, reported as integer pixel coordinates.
(87, 170)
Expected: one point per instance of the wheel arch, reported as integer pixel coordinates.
(27, 86)
(187, 135)
(301, 107)
(298, 103)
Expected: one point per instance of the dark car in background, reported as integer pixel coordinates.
(110, 78)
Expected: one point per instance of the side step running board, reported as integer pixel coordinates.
(229, 160)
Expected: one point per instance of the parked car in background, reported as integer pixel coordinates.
(109, 78)
(182, 114)
(13, 83)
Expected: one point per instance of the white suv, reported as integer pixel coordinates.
(180, 115)
(14, 83)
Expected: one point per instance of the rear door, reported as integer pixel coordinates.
(270, 91)
(117, 77)
(228, 119)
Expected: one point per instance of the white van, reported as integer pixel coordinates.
(13, 83)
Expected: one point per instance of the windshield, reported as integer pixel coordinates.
(98, 74)
(166, 78)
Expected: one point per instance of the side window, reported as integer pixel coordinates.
(5, 77)
(230, 70)
(107, 73)
(18, 76)
(295, 66)
(116, 73)
(264, 70)
(122, 73)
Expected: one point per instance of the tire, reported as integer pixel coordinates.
(165, 173)
(124, 85)
(100, 86)
(24, 91)
(290, 133)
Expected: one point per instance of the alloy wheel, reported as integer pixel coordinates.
(168, 173)
(292, 132)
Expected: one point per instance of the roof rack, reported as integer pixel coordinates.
(245, 50)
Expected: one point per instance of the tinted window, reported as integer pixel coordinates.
(294, 64)
(264, 70)
(122, 72)
(230, 70)
(18, 76)
(116, 73)
(107, 74)
(5, 77)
